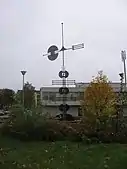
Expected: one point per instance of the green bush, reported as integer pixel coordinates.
(106, 130)
(31, 125)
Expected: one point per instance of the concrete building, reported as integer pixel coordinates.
(51, 99)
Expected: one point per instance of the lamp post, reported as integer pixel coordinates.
(23, 72)
(121, 93)
(120, 102)
(121, 81)
(123, 56)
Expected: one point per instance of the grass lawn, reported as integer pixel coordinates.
(61, 155)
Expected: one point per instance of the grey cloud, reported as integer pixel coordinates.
(28, 28)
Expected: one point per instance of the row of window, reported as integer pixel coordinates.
(52, 96)
(57, 97)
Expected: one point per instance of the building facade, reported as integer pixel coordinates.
(51, 99)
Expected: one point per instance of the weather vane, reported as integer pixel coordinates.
(52, 55)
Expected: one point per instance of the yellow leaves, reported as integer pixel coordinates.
(99, 97)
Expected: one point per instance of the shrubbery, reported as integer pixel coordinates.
(107, 130)
(34, 125)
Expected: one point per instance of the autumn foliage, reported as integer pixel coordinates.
(99, 97)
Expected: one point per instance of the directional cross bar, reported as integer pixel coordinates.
(79, 46)
(74, 47)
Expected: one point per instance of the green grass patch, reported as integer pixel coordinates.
(61, 155)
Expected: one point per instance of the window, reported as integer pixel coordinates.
(45, 97)
(81, 96)
(52, 97)
(72, 97)
(79, 111)
(59, 98)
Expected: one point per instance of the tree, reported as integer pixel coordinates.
(18, 97)
(6, 98)
(29, 96)
(29, 92)
(99, 97)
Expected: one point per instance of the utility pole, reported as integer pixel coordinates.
(123, 56)
(23, 74)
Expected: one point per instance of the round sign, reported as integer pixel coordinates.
(63, 74)
(52, 55)
(64, 108)
(63, 90)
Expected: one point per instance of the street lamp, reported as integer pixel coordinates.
(121, 81)
(121, 93)
(123, 56)
(120, 101)
(23, 72)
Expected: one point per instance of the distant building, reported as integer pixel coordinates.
(51, 99)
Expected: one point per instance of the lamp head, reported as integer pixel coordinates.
(23, 72)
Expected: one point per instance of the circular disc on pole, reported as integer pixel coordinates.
(63, 90)
(64, 74)
(64, 108)
(52, 49)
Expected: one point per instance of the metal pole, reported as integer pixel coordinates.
(123, 55)
(125, 76)
(63, 66)
(63, 69)
(120, 102)
(23, 93)
(121, 94)
(23, 74)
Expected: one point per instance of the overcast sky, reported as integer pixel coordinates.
(29, 27)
